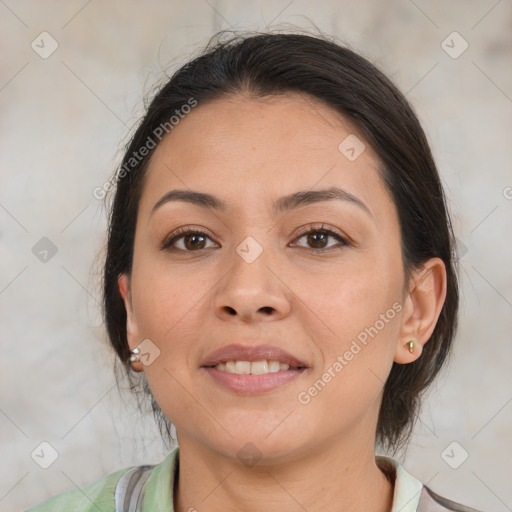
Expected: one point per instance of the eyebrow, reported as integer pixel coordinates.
(282, 205)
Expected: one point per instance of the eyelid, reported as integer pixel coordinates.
(165, 242)
(168, 240)
(321, 227)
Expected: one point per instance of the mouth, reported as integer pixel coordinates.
(252, 369)
(252, 359)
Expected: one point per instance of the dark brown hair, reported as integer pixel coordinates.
(270, 64)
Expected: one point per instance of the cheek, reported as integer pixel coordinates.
(168, 302)
(357, 313)
(169, 312)
(348, 297)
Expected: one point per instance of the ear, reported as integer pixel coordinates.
(422, 307)
(132, 330)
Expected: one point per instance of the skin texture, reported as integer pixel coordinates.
(312, 303)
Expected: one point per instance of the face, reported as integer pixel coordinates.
(320, 278)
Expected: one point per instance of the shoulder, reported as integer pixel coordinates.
(96, 496)
(119, 490)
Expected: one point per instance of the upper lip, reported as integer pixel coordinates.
(252, 353)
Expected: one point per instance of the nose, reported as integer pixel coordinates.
(252, 292)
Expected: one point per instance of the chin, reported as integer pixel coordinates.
(252, 445)
(257, 452)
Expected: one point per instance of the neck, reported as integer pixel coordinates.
(314, 481)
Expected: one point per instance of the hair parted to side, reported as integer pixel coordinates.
(276, 63)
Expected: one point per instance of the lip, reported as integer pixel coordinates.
(237, 352)
(253, 384)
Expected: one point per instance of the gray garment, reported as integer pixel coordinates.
(432, 502)
(129, 495)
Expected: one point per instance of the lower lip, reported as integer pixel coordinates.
(253, 384)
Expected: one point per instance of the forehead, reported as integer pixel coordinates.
(240, 147)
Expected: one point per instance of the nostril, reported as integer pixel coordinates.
(265, 309)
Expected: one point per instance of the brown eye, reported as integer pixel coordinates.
(319, 239)
(194, 241)
(187, 240)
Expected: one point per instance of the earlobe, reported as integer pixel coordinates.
(423, 305)
(408, 352)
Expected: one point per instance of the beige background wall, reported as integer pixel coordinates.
(62, 120)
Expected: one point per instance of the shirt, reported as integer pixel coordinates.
(152, 487)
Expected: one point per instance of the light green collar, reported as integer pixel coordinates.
(158, 496)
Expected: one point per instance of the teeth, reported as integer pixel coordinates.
(253, 368)
(259, 367)
(243, 367)
(274, 366)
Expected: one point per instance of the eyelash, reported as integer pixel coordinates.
(311, 228)
(167, 242)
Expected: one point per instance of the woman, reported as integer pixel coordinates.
(280, 267)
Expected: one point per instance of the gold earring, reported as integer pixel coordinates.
(411, 346)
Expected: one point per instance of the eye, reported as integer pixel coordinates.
(318, 237)
(186, 239)
(191, 240)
